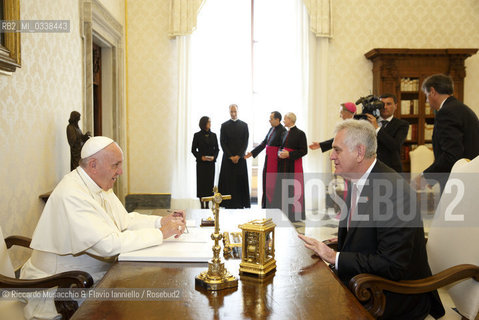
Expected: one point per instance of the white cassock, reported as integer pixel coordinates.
(83, 228)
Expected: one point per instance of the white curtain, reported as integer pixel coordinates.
(320, 17)
(183, 14)
(184, 175)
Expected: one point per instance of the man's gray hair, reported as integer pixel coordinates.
(291, 116)
(359, 132)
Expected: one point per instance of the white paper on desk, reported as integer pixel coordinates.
(194, 235)
(172, 252)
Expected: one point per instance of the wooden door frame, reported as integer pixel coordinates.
(98, 23)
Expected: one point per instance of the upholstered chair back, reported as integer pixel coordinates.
(454, 233)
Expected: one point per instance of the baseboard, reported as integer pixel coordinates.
(147, 201)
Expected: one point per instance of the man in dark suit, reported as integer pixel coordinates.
(271, 142)
(381, 230)
(391, 133)
(456, 130)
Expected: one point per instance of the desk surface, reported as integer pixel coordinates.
(303, 287)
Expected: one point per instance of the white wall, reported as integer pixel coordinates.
(35, 105)
(152, 96)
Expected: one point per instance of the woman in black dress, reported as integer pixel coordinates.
(205, 149)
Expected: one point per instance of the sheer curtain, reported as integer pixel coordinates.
(218, 66)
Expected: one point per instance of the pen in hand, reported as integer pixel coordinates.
(179, 213)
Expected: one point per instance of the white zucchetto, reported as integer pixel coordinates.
(94, 144)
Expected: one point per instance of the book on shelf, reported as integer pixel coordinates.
(409, 84)
(412, 132)
(405, 106)
(405, 153)
(409, 107)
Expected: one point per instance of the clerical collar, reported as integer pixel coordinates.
(234, 120)
(89, 183)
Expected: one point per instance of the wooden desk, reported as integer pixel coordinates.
(303, 287)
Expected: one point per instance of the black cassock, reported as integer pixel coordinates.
(272, 142)
(234, 177)
(205, 143)
(290, 175)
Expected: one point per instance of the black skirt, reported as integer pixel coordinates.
(205, 178)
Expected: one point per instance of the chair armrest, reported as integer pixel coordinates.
(78, 279)
(369, 289)
(18, 241)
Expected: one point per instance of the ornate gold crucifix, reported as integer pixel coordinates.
(216, 277)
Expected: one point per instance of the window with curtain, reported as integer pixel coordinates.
(254, 54)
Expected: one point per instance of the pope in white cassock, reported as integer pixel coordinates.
(84, 226)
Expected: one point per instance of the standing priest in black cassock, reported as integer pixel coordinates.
(234, 173)
(271, 142)
(289, 191)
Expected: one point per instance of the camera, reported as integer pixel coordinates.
(371, 104)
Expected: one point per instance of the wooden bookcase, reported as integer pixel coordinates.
(401, 72)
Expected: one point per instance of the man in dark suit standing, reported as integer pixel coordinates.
(456, 130)
(271, 142)
(391, 133)
(380, 231)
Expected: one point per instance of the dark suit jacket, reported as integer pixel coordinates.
(326, 145)
(390, 139)
(390, 248)
(274, 140)
(455, 136)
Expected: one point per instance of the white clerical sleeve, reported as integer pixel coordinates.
(137, 231)
(139, 221)
(126, 241)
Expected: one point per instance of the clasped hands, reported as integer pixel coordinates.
(283, 154)
(173, 224)
(235, 159)
(207, 158)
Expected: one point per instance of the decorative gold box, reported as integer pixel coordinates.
(258, 247)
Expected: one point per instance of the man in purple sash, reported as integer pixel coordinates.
(290, 184)
(271, 142)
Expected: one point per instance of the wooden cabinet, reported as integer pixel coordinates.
(402, 71)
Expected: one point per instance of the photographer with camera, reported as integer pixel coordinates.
(391, 132)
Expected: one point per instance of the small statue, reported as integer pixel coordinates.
(76, 139)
